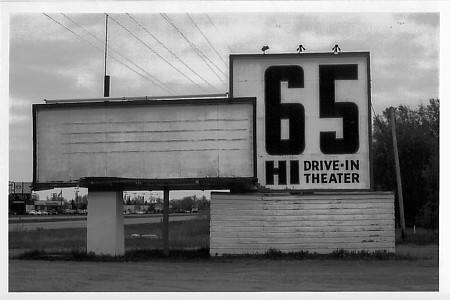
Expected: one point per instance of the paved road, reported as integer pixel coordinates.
(80, 222)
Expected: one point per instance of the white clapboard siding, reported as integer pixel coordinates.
(319, 222)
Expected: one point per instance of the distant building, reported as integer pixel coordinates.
(19, 197)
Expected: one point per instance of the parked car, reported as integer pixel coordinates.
(32, 212)
(70, 211)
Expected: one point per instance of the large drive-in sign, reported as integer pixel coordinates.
(293, 121)
(144, 140)
(313, 117)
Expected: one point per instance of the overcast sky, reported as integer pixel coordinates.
(48, 61)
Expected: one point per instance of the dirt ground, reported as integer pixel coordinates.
(235, 275)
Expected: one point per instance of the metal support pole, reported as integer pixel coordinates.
(165, 230)
(399, 177)
(106, 85)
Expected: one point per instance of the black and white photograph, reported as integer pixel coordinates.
(264, 148)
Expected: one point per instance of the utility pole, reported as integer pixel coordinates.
(397, 169)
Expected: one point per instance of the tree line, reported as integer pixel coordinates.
(417, 132)
(184, 204)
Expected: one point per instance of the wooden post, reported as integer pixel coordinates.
(165, 231)
(399, 177)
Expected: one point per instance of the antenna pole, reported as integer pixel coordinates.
(107, 78)
(106, 41)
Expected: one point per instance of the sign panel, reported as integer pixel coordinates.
(176, 139)
(17, 202)
(19, 187)
(47, 203)
(313, 118)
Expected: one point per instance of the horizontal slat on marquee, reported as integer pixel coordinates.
(257, 223)
(322, 223)
(312, 235)
(295, 212)
(306, 206)
(287, 248)
(288, 229)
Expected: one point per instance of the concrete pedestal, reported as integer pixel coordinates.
(105, 228)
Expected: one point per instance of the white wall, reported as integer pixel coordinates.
(322, 223)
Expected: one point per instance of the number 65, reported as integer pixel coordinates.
(295, 112)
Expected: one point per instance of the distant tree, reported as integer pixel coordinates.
(151, 207)
(418, 145)
(83, 202)
(176, 205)
(187, 203)
(203, 203)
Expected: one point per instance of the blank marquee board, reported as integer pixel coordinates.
(313, 118)
(144, 139)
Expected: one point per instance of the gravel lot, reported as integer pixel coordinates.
(232, 275)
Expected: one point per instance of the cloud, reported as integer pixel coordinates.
(84, 76)
(19, 111)
(18, 118)
(19, 103)
(45, 29)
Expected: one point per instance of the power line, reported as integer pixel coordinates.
(377, 117)
(373, 110)
(146, 45)
(206, 38)
(212, 23)
(72, 31)
(101, 50)
(160, 83)
(199, 53)
(168, 49)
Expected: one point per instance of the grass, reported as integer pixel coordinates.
(203, 254)
(191, 234)
(188, 240)
(130, 255)
(49, 240)
(421, 236)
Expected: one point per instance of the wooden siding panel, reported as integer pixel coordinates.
(322, 223)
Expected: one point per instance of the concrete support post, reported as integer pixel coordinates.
(105, 229)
